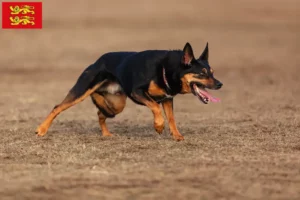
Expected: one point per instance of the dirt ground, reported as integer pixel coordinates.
(246, 147)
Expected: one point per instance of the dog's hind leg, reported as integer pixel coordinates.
(102, 123)
(109, 105)
(70, 100)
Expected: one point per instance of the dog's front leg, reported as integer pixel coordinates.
(168, 109)
(144, 98)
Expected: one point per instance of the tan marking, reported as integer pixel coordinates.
(155, 108)
(43, 128)
(113, 104)
(155, 90)
(185, 80)
(168, 109)
(204, 70)
(188, 78)
(211, 70)
(100, 100)
(105, 131)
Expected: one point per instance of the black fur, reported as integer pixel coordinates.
(103, 68)
(135, 70)
(145, 77)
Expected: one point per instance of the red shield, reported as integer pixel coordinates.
(21, 15)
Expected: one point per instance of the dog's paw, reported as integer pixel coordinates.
(178, 137)
(159, 126)
(41, 131)
(107, 134)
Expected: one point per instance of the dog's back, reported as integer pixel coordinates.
(103, 68)
(144, 65)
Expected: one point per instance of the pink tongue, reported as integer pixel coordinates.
(211, 98)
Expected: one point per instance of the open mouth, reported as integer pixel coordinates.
(202, 94)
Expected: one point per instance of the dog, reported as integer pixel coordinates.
(148, 78)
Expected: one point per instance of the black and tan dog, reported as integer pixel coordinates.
(148, 78)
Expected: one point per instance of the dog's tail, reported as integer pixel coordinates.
(90, 77)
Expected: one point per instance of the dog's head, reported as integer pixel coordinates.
(196, 75)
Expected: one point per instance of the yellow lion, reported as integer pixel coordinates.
(15, 10)
(24, 20)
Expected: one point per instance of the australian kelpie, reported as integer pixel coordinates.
(148, 78)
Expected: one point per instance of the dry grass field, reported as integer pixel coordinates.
(246, 147)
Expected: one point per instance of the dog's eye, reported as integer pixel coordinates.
(202, 74)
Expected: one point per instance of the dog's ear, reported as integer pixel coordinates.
(188, 54)
(205, 53)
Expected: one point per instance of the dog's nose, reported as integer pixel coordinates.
(219, 85)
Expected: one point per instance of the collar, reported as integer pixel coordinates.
(166, 81)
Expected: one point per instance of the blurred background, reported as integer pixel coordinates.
(254, 45)
(254, 49)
